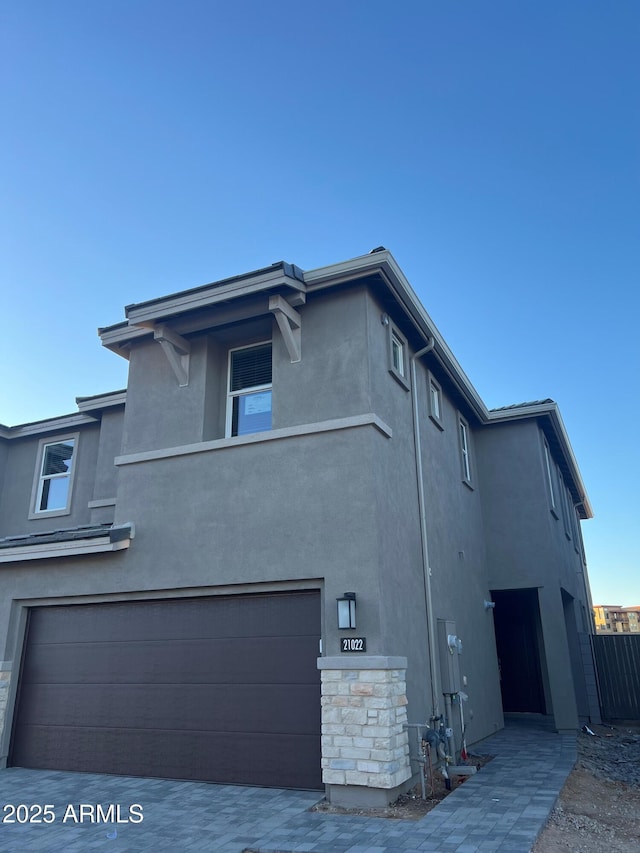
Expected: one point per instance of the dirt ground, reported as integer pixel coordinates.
(599, 807)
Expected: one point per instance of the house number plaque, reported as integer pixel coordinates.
(353, 644)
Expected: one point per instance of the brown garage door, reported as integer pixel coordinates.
(222, 689)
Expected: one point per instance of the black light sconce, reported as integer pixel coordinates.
(347, 610)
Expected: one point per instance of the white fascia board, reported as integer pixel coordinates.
(335, 273)
(522, 412)
(204, 297)
(114, 337)
(52, 550)
(61, 424)
(105, 401)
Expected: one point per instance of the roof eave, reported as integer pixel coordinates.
(384, 263)
(166, 307)
(100, 402)
(59, 424)
(552, 411)
(142, 316)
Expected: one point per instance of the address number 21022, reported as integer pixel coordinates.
(353, 644)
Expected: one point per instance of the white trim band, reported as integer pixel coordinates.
(256, 438)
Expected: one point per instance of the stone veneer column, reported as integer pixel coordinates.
(365, 749)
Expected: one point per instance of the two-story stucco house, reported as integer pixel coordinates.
(297, 529)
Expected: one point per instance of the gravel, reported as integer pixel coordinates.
(598, 810)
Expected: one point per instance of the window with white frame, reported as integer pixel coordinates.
(564, 494)
(54, 476)
(575, 525)
(249, 390)
(397, 354)
(398, 359)
(581, 552)
(548, 468)
(435, 402)
(465, 449)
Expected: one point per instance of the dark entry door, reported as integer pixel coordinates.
(517, 625)
(221, 689)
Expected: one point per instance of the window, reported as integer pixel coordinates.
(398, 363)
(249, 394)
(435, 402)
(54, 477)
(565, 504)
(582, 553)
(552, 494)
(465, 450)
(397, 354)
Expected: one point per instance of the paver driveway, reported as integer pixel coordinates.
(502, 808)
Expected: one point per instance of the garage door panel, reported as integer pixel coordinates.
(190, 619)
(270, 760)
(232, 661)
(260, 708)
(223, 689)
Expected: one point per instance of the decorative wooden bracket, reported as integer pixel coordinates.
(177, 350)
(289, 323)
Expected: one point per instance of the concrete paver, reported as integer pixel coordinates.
(502, 809)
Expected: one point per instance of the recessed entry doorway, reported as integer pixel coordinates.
(519, 645)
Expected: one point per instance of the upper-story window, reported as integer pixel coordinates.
(465, 449)
(435, 401)
(548, 469)
(564, 495)
(249, 390)
(397, 354)
(54, 476)
(398, 360)
(575, 527)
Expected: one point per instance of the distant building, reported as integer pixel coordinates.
(615, 619)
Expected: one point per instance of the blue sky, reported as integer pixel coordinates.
(493, 147)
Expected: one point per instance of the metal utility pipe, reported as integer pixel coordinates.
(418, 727)
(451, 741)
(423, 530)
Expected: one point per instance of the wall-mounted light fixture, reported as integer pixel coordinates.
(347, 610)
(489, 605)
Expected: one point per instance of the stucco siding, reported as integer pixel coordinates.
(457, 556)
(17, 495)
(159, 412)
(332, 378)
(403, 610)
(455, 537)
